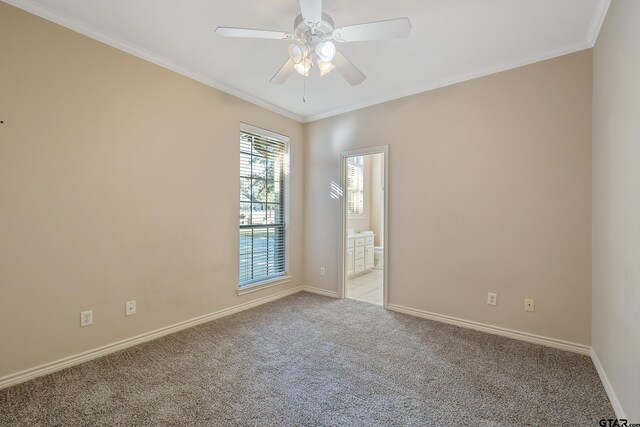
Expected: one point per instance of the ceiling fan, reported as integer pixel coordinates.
(312, 42)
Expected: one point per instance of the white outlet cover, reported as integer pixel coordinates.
(130, 308)
(492, 298)
(529, 304)
(86, 318)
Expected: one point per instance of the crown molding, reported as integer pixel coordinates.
(597, 20)
(599, 14)
(44, 12)
(77, 26)
(471, 75)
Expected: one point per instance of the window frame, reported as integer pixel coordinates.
(282, 277)
(360, 167)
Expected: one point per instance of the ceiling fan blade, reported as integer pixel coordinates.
(350, 72)
(389, 29)
(251, 33)
(311, 11)
(283, 73)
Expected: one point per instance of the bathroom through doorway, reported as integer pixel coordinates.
(364, 225)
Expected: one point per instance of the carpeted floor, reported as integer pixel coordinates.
(307, 360)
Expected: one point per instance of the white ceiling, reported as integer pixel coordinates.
(451, 41)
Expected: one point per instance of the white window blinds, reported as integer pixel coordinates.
(262, 207)
(355, 186)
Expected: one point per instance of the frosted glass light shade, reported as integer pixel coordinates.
(325, 67)
(298, 52)
(303, 67)
(326, 51)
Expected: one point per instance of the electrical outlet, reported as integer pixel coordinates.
(492, 298)
(529, 304)
(130, 308)
(322, 271)
(86, 318)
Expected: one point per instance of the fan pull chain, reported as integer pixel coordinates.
(304, 89)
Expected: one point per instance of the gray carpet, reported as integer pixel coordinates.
(307, 360)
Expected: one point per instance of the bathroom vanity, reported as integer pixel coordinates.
(360, 254)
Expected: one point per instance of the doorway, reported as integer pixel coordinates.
(364, 228)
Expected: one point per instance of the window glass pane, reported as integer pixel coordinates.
(262, 210)
(274, 214)
(245, 164)
(258, 167)
(356, 160)
(245, 213)
(245, 143)
(245, 189)
(258, 214)
(273, 196)
(258, 190)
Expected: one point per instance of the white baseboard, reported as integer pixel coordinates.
(67, 362)
(320, 291)
(607, 386)
(496, 330)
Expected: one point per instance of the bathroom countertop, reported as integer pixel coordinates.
(357, 235)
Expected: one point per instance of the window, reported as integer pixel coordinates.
(263, 157)
(355, 186)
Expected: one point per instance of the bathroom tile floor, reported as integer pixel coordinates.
(367, 287)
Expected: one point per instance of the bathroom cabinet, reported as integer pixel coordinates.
(359, 255)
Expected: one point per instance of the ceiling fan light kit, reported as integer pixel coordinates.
(326, 51)
(298, 52)
(313, 42)
(304, 67)
(325, 68)
(304, 59)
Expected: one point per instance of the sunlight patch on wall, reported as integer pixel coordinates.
(335, 191)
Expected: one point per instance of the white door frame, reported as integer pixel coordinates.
(384, 149)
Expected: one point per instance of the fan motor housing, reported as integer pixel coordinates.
(313, 36)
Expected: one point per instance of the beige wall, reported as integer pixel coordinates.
(118, 181)
(114, 185)
(489, 190)
(377, 197)
(616, 202)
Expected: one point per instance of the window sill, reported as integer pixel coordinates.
(254, 287)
